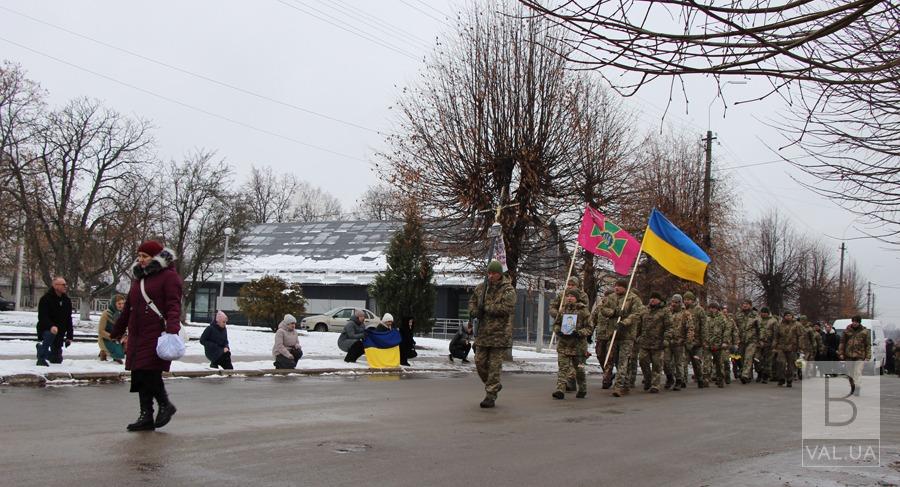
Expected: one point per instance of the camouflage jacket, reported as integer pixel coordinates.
(767, 330)
(682, 330)
(576, 343)
(808, 343)
(699, 318)
(718, 330)
(630, 315)
(653, 327)
(820, 343)
(732, 333)
(786, 337)
(554, 305)
(495, 330)
(855, 344)
(602, 325)
(748, 327)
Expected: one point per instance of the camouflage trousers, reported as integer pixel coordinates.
(695, 357)
(725, 357)
(674, 363)
(717, 361)
(622, 350)
(764, 366)
(633, 366)
(750, 357)
(785, 366)
(489, 364)
(651, 366)
(601, 349)
(570, 365)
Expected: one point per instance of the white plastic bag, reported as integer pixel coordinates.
(170, 346)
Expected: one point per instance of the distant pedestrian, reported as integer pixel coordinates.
(111, 348)
(461, 343)
(287, 350)
(351, 339)
(153, 307)
(215, 342)
(54, 327)
(889, 362)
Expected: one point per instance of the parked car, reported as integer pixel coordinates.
(6, 305)
(333, 320)
(876, 332)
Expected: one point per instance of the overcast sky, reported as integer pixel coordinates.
(306, 86)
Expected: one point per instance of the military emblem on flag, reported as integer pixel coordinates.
(602, 237)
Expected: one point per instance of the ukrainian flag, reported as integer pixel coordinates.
(673, 249)
(382, 348)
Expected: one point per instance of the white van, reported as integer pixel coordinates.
(876, 331)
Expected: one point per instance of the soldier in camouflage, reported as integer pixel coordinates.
(572, 284)
(766, 364)
(717, 341)
(681, 334)
(697, 348)
(571, 350)
(603, 327)
(856, 350)
(749, 331)
(733, 339)
(785, 346)
(654, 326)
(807, 345)
(625, 311)
(495, 308)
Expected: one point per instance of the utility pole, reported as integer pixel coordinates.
(707, 192)
(841, 283)
(872, 316)
(869, 301)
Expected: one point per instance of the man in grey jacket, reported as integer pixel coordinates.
(351, 339)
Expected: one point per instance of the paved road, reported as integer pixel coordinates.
(427, 430)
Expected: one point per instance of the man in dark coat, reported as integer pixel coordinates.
(54, 327)
(461, 343)
(215, 343)
(351, 339)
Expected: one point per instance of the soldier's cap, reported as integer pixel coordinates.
(748, 301)
(690, 295)
(801, 318)
(621, 283)
(676, 298)
(764, 309)
(787, 312)
(714, 304)
(572, 292)
(656, 295)
(574, 281)
(495, 266)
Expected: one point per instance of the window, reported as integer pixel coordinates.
(344, 313)
(369, 315)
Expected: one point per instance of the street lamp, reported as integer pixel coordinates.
(228, 232)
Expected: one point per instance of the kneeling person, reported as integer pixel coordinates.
(573, 326)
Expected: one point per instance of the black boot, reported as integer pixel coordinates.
(570, 386)
(145, 420)
(166, 410)
(670, 381)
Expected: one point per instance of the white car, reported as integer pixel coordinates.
(334, 320)
(876, 331)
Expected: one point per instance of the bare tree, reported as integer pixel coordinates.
(817, 285)
(486, 127)
(81, 194)
(313, 204)
(380, 202)
(269, 197)
(774, 254)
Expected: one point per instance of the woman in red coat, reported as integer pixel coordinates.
(163, 286)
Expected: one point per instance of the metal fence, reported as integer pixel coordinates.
(446, 327)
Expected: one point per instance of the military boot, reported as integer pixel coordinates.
(670, 381)
(581, 394)
(678, 385)
(166, 410)
(487, 402)
(145, 420)
(558, 395)
(617, 393)
(570, 385)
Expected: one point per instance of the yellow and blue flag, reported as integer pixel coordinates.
(382, 348)
(674, 250)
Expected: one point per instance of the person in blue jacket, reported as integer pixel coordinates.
(215, 343)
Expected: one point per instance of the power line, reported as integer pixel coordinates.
(390, 29)
(191, 73)
(404, 2)
(181, 103)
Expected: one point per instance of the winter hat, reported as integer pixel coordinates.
(801, 318)
(572, 292)
(656, 295)
(764, 309)
(690, 295)
(574, 281)
(621, 283)
(387, 317)
(151, 248)
(221, 315)
(288, 319)
(676, 298)
(714, 305)
(495, 266)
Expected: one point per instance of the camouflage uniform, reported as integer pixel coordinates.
(571, 350)
(855, 348)
(732, 337)
(624, 339)
(748, 327)
(717, 344)
(785, 345)
(554, 310)
(654, 325)
(766, 365)
(696, 349)
(494, 334)
(808, 345)
(681, 334)
(603, 328)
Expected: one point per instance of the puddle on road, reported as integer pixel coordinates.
(341, 448)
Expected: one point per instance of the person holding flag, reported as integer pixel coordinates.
(626, 310)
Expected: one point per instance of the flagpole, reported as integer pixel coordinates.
(562, 300)
(612, 339)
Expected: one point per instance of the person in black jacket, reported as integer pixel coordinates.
(215, 343)
(461, 343)
(54, 327)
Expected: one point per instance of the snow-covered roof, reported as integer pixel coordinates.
(328, 253)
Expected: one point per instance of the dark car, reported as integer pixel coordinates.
(6, 305)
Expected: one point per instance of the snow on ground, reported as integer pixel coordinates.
(251, 350)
